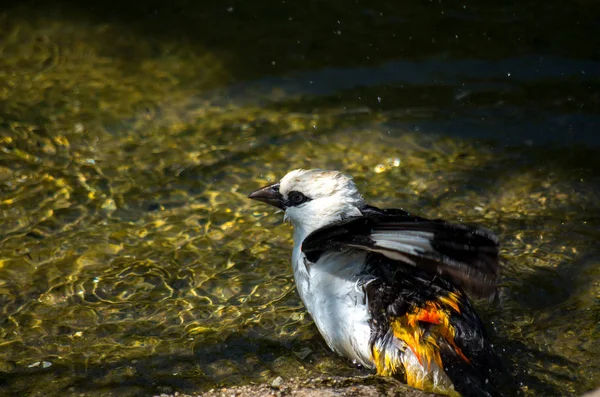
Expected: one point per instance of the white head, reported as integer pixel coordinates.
(313, 198)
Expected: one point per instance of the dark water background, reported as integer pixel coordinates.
(132, 263)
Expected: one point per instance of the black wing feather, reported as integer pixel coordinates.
(466, 255)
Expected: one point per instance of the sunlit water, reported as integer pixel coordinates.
(131, 261)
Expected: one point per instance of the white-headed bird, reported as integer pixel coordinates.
(385, 288)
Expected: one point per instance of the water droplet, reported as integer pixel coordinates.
(379, 168)
(79, 128)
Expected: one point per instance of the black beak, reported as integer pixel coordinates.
(268, 194)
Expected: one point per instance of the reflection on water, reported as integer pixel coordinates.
(131, 261)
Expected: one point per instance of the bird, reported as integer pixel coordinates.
(388, 289)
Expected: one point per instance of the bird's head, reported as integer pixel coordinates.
(313, 198)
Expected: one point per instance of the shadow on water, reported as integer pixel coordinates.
(420, 28)
(524, 72)
(239, 358)
(467, 70)
(272, 37)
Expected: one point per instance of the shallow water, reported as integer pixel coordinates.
(131, 261)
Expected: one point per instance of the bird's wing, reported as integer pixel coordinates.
(466, 255)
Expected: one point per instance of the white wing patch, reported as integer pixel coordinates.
(405, 241)
(395, 255)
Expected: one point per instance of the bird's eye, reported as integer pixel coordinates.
(296, 198)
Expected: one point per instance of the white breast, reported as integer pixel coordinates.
(332, 295)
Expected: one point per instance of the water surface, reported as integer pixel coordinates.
(131, 261)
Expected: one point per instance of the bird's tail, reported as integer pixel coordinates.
(430, 347)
